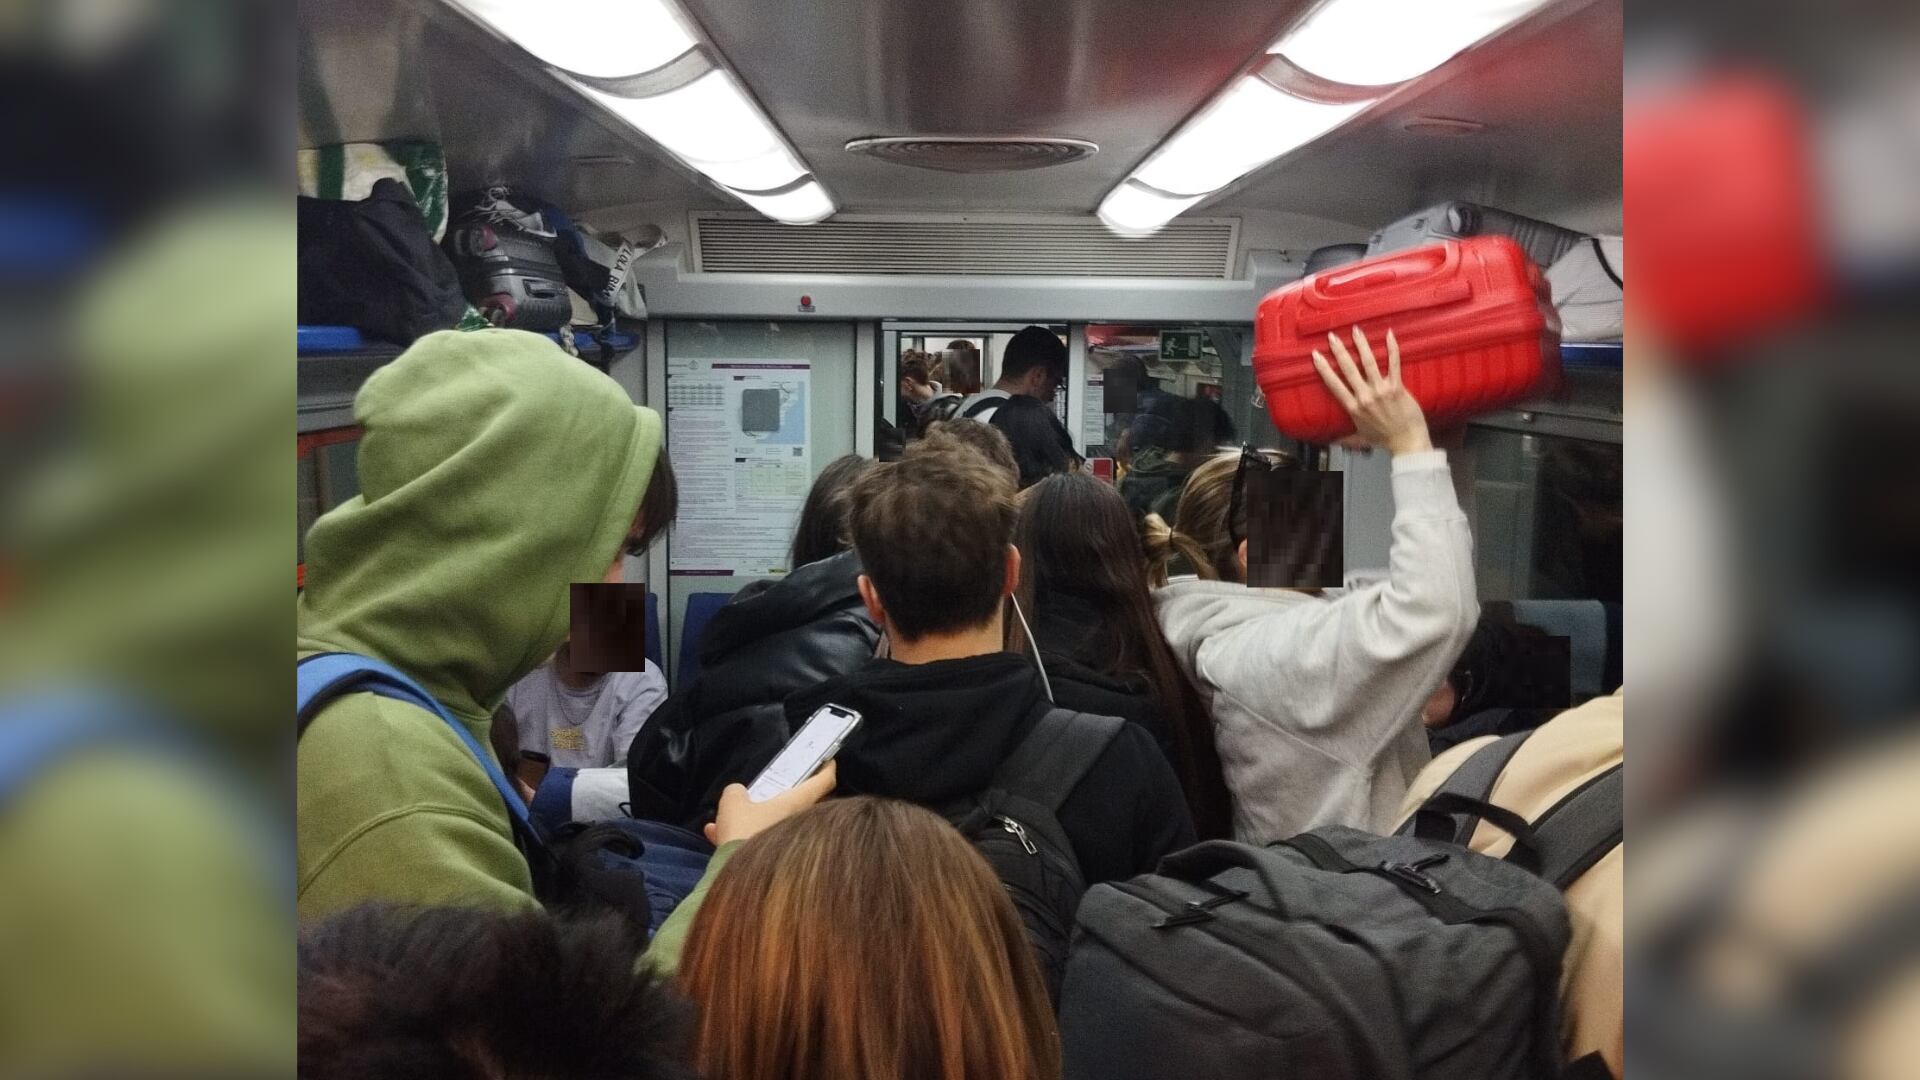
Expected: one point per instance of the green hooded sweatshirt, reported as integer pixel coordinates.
(143, 913)
(494, 470)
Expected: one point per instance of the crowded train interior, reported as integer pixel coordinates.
(980, 539)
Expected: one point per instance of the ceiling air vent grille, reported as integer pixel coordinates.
(974, 153)
(963, 244)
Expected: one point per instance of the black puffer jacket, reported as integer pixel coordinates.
(772, 639)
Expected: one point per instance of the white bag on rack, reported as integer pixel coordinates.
(1589, 289)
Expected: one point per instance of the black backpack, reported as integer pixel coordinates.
(1338, 953)
(1014, 824)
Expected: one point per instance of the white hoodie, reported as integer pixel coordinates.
(1316, 702)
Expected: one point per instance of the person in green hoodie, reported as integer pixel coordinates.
(495, 469)
(143, 911)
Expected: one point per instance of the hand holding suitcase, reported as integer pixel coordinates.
(1383, 412)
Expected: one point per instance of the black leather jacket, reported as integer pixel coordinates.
(773, 639)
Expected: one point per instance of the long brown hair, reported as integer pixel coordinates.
(865, 940)
(822, 531)
(1077, 539)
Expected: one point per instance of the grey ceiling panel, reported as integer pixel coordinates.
(1549, 97)
(972, 244)
(1120, 73)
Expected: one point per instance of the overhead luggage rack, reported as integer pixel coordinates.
(1590, 354)
(341, 340)
(335, 360)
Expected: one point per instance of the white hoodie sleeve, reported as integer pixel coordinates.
(1352, 673)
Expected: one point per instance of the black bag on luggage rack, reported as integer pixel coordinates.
(1335, 954)
(371, 264)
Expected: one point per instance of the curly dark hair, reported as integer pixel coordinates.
(470, 994)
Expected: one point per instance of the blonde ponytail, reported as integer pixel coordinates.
(1162, 543)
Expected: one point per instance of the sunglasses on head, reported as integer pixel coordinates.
(1269, 460)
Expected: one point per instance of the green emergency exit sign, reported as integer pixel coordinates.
(1182, 344)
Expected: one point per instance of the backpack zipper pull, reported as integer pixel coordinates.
(1412, 872)
(1198, 911)
(1020, 831)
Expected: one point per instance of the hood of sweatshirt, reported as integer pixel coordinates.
(929, 732)
(147, 550)
(494, 470)
(1192, 610)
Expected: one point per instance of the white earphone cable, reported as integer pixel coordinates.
(1033, 647)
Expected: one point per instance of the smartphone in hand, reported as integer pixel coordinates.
(818, 740)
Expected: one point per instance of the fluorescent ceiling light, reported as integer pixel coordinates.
(1382, 42)
(597, 38)
(1246, 127)
(803, 205)
(774, 169)
(711, 124)
(1132, 210)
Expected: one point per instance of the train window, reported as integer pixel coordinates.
(962, 357)
(1547, 515)
(308, 512)
(328, 476)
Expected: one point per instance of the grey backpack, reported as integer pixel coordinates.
(1337, 953)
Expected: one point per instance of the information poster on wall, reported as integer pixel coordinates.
(1093, 421)
(737, 430)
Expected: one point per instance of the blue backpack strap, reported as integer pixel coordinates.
(323, 677)
(38, 732)
(42, 730)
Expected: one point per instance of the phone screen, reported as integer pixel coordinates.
(819, 738)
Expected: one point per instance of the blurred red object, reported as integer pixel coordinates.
(1722, 211)
(1101, 467)
(1473, 319)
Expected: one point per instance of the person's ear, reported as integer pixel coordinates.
(1241, 554)
(871, 597)
(1013, 572)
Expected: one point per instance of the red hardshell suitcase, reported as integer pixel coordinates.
(1474, 319)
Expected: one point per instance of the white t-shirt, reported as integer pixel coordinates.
(584, 729)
